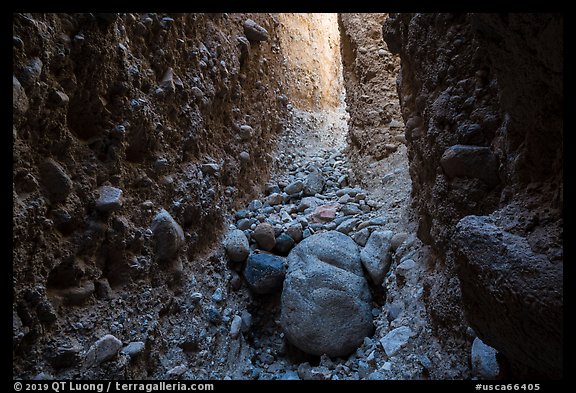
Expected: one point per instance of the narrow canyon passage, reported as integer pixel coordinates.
(287, 196)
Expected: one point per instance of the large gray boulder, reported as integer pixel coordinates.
(326, 303)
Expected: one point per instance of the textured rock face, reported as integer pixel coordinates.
(160, 106)
(315, 79)
(488, 88)
(370, 70)
(326, 301)
(507, 294)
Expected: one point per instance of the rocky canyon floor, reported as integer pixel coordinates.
(259, 196)
(227, 324)
(402, 346)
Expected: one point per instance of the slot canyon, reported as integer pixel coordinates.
(287, 196)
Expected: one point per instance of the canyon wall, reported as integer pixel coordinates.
(482, 99)
(134, 135)
(375, 128)
(311, 50)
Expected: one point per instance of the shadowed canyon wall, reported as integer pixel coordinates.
(134, 134)
(482, 99)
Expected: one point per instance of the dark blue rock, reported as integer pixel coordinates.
(213, 315)
(264, 273)
(284, 243)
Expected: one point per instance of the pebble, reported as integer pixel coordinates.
(294, 188)
(197, 92)
(376, 256)
(266, 358)
(344, 199)
(395, 340)
(196, 297)
(397, 240)
(425, 361)
(64, 357)
(133, 348)
(58, 98)
(217, 296)
(351, 210)
(274, 199)
(244, 213)
(213, 315)
(104, 349)
(381, 220)
(17, 42)
(236, 244)
(244, 46)
(290, 376)
(244, 224)
(403, 268)
(246, 321)
(236, 326)
(254, 32)
(264, 236)
(314, 184)
(484, 362)
(103, 289)
(31, 72)
(295, 232)
(235, 281)
(55, 180)
(284, 243)
(471, 162)
(267, 211)
(246, 132)
(168, 235)
(393, 311)
(361, 236)
(272, 188)
(348, 225)
(285, 217)
(324, 213)
(110, 199)
(255, 205)
(375, 376)
(177, 371)
(20, 103)
(245, 156)
(43, 377)
(210, 169)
